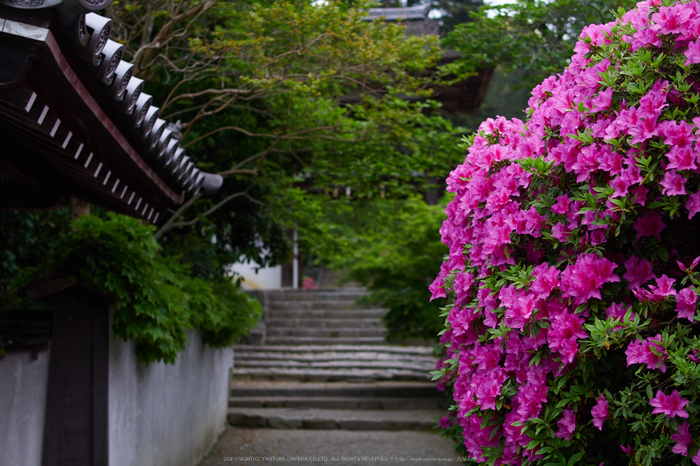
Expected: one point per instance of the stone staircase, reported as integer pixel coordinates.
(338, 405)
(328, 363)
(321, 362)
(320, 317)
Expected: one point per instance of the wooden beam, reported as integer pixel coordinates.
(31, 198)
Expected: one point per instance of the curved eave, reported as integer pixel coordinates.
(52, 121)
(65, 133)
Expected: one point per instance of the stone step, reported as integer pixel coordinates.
(329, 374)
(385, 349)
(274, 340)
(335, 305)
(334, 389)
(324, 323)
(324, 419)
(309, 357)
(338, 364)
(325, 332)
(328, 402)
(325, 314)
(318, 358)
(315, 295)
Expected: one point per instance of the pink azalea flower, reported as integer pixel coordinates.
(696, 458)
(597, 237)
(643, 131)
(617, 312)
(693, 204)
(673, 184)
(671, 405)
(460, 320)
(669, 20)
(599, 34)
(546, 280)
(692, 55)
(458, 178)
(685, 269)
(562, 205)
(585, 278)
(638, 272)
(646, 296)
(566, 425)
(445, 422)
(308, 284)
(641, 352)
(664, 287)
(611, 162)
(561, 232)
(686, 301)
(653, 103)
(678, 135)
(603, 100)
(682, 438)
(639, 194)
(527, 305)
(565, 330)
(534, 222)
(621, 183)
(492, 225)
(462, 286)
(600, 412)
(681, 158)
(649, 225)
(694, 356)
(437, 288)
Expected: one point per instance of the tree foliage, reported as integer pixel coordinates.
(277, 94)
(535, 36)
(283, 99)
(390, 246)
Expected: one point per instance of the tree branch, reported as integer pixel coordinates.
(227, 128)
(177, 214)
(172, 224)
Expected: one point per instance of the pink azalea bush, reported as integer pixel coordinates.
(308, 283)
(571, 336)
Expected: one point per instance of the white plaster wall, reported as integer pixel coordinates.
(23, 382)
(266, 278)
(166, 414)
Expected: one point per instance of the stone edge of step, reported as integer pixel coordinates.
(279, 419)
(338, 402)
(385, 348)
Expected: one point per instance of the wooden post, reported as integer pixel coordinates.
(77, 404)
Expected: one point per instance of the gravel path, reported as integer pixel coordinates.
(248, 447)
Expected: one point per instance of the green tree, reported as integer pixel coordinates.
(277, 94)
(534, 36)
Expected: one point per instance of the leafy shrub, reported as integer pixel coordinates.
(572, 333)
(156, 298)
(392, 246)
